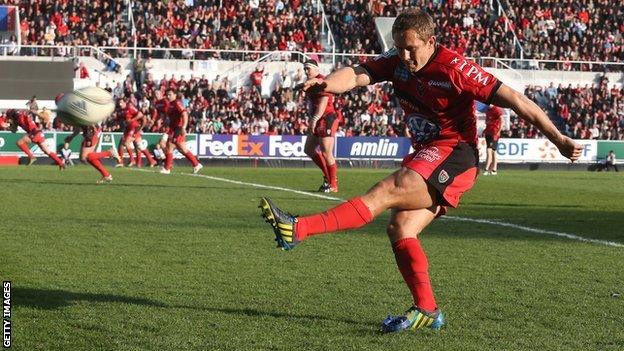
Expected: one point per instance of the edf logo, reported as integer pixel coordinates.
(512, 149)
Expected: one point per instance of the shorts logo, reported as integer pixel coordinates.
(430, 154)
(443, 177)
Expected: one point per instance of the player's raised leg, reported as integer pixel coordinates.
(404, 189)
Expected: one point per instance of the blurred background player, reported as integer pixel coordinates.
(322, 131)
(176, 137)
(66, 154)
(139, 147)
(24, 119)
(493, 124)
(91, 138)
(131, 117)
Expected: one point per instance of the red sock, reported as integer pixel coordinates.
(94, 159)
(320, 162)
(189, 155)
(24, 147)
(148, 156)
(168, 160)
(55, 157)
(332, 170)
(348, 215)
(131, 155)
(139, 159)
(120, 153)
(412, 262)
(98, 155)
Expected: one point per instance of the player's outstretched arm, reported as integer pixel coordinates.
(530, 112)
(339, 81)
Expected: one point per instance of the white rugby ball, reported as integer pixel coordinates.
(85, 107)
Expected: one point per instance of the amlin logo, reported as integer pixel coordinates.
(381, 148)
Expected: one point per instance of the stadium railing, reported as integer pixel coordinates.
(104, 53)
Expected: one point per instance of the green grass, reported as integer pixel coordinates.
(156, 262)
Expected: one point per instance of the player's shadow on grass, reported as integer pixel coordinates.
(48, 299)
(250, 312)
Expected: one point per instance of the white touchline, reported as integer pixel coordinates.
(473, 220)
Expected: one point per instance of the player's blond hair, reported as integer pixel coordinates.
(415, 19)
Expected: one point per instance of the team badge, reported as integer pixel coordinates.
(443, 177)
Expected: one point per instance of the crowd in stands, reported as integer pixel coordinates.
(212, 109)
(571, 30)
(592, 111)
(564, 30)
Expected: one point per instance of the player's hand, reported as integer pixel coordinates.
(314, 85)
(569, 148)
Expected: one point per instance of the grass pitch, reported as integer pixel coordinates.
(155, 262)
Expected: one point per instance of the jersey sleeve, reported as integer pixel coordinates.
(475, 82)
(179, 106)
(381, 68)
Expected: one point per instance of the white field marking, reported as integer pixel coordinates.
(255, 185)
(473, 220)
(535, 230)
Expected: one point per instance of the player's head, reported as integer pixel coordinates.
(413, 32)
(11, 113)
(171, 95)
(311, 68)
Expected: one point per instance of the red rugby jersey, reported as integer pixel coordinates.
(438, 100)
(174, 112)
(315, 99)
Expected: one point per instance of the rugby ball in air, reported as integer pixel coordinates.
(85, 107)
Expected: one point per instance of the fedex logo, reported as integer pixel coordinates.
(280, 147)
(230, 145)
(471, 70)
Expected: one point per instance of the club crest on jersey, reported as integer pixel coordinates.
(443, 177)
(421, 128)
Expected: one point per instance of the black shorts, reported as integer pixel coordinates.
(490, 142)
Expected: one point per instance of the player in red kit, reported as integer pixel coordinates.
(25, 120)
(493, 124)
(139, 146)
(90, 140)
(132, 120)
(323, 125)
(436, 88)
(178, 120)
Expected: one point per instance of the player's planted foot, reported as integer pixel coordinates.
(323, 188)
(493, 173)
(152, 165)
(413, 319)
(114, 154)
(283, 224)
(164, 171)
(31, 161)
(197, 168)
(104, 180)
(486, 173)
